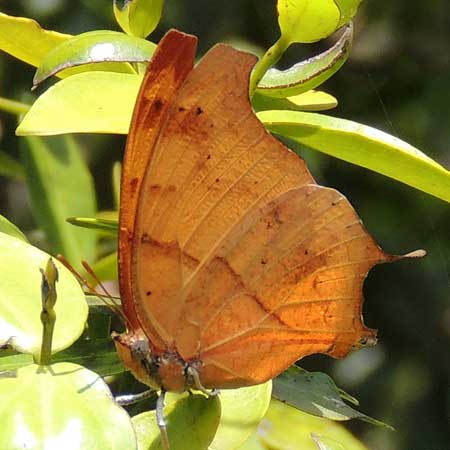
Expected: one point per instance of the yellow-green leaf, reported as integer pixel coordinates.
(138, 17)
(106, 105)
(364, 146)
(20, 291)
(307, 20)
(24, 39)
(101, 50)
(62, 406)
(308, 101)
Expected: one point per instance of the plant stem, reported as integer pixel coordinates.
(13, 107)
(272, 55)
(48, 316)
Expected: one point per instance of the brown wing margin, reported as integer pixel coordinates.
(170, 66)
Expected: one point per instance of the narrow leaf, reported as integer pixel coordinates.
(109, 226)
(307, 74)
(308, 101)
(98, 47)
(60, 186)
(364, 146)
(316, 394)
(10, 167)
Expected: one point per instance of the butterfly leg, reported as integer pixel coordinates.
(192, 373)
(161, 420)
(129, 399)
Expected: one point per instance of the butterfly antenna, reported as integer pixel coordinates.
(90, 289)
(113, 300)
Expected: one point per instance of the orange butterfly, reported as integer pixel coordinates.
(233, 262)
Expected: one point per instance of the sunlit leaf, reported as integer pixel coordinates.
(191, 423)
(103, 47)
(308, 74)
(362, 145)
(20, 291)
(105, 106)
(61, 406)
(307, 21)
(138, 17)
(308, 101)
(24, 39)
(285, 427)
(242, 410)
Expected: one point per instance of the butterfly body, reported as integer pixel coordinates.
(233, 262)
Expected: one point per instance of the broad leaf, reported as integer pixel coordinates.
(288, 428)
(191, 424)
(24, 39)
(96, 47)
(20, 291)
(308, 74)
(138, 17)
(307, 21)
(61, 406)
(242, 411)
(362, 145)
(60, 186)
(105, 106)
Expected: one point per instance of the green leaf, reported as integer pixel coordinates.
(61, 406)
(138, 17)
(316, 394)
(307, 74)
(106, 267)
(106, 105)
(103, 46)
(347, 9)
(24, 39)
(242, 411)
(60, 186)
(307, 21)
(109, 226)
(98, 355)
(191, 424)
(20, 291)
(12, 230)
(362, 145)
(308, 101)
(288, 428)
(10, 167)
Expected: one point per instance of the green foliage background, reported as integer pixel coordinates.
(398, 80)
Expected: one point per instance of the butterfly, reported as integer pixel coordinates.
(233, 262)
